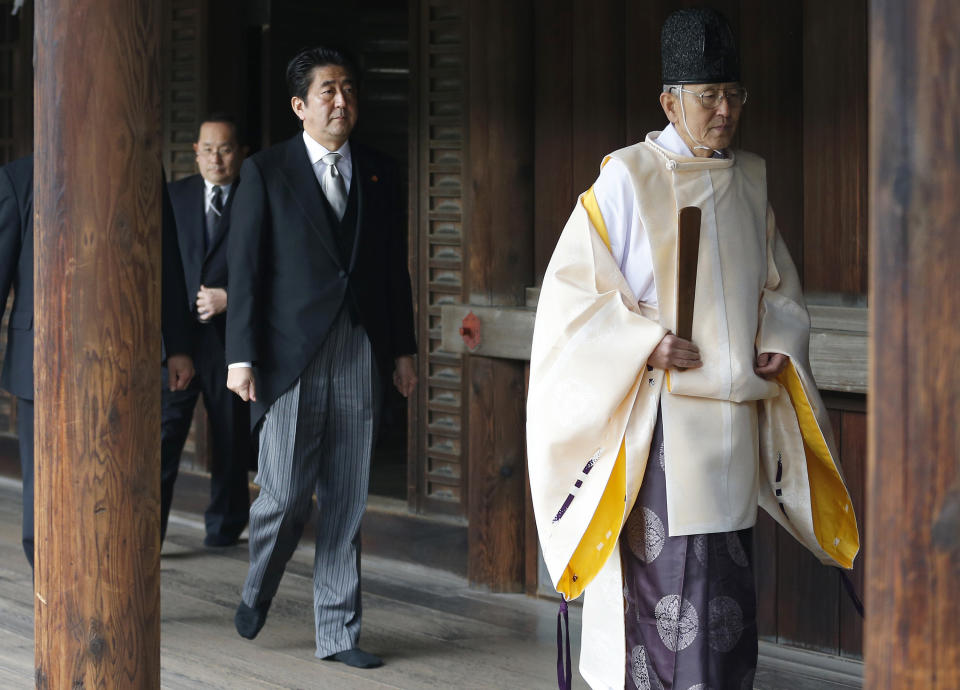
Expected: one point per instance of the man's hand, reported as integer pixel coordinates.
(405, 376)
(179, 372)
(240, 381)
(210, 302)
(675, 353)
(770, 364)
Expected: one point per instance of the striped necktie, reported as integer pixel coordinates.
(214, 213)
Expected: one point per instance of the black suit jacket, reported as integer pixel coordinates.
(288, 281)
(16, 270)
(201, 265)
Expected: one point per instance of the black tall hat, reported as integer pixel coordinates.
(697, 47)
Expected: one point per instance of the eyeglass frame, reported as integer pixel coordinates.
(723, 96)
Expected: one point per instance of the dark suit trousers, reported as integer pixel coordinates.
(228, 511)
(25, 434)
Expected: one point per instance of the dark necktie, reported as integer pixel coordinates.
(213, 215)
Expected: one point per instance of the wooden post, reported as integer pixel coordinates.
(913, 482)
(97, 284)
(500, 259)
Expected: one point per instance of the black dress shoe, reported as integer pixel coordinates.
(250, 619)
(220, 541)
(357, 658)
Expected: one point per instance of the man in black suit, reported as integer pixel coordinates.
(320, 306)
(201, 207)
(16, 270)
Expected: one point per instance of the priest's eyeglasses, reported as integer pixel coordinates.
(711, 98)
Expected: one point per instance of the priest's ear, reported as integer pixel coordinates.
(670, 103)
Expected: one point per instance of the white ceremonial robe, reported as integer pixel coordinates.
(732, 439)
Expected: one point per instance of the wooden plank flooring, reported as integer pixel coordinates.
(430, 628)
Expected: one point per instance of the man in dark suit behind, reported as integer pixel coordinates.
(16, 270)
(320, 304)
(201, 207)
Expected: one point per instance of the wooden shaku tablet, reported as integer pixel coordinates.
(688, 249)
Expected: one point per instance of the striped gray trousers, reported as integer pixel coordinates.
(317, 437)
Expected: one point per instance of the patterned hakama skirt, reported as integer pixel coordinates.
(690, 601)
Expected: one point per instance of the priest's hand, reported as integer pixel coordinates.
(675, 353)
(240, 381)
(770, 364)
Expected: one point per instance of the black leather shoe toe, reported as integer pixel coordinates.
(249, 619)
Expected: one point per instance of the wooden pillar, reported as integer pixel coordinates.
(913, 482)
(500, 265)
(97, 350)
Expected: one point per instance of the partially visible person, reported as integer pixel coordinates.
(16, 271)
(320, 311)
(201, 207)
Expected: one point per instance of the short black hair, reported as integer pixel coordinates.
(300, 68)
(225, 118)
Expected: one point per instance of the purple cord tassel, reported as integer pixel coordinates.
(851, 592)
(564, 668)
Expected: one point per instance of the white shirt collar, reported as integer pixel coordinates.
(316, 151)
(671, 140)
(225, 188)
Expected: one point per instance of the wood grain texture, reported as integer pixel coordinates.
(531, 546)
(913, 478)
(596, 81)
(433, 631)
(97, 286)
(766, 534)
(772, 121)
(500, 197)
(642, 83)
(853, 453)
(834, 106)
(688, 250)
(553, 189)
(499, 255)
(497, 479)
(504, 331)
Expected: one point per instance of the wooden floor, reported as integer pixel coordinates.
(432, 631)
(430, 628)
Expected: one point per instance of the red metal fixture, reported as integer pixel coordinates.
(470, 331)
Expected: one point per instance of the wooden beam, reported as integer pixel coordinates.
(504, 331)
(97, 284)
(912, 639)
(838, 339)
